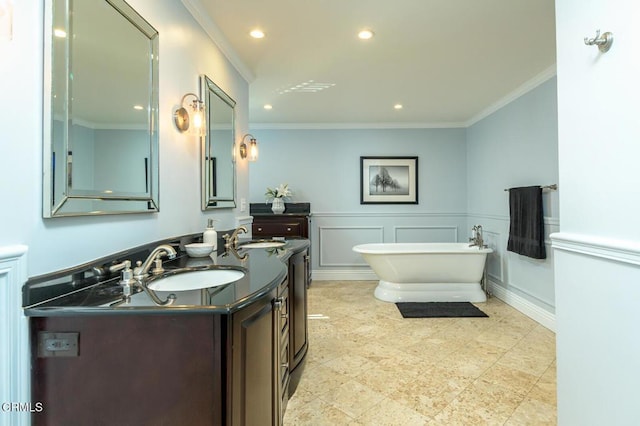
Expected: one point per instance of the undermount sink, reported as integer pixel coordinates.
(262, 244)
(195, 280)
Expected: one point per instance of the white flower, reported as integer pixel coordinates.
(282, 191)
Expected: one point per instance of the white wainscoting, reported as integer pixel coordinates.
(604, 248)
(336, 243)
(524, 283)
(495, 265)
(420, 234)
(335, 234)
(14, 336)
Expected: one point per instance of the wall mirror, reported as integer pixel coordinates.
(218, 161)
(100, 150)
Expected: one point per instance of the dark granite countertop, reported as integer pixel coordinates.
(264, 271)
(290, 209)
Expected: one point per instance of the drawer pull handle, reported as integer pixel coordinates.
(259, 229)
(288, 229)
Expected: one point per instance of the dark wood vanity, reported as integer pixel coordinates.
(234, 361)
(294, 222)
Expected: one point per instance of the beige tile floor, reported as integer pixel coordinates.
(367, 365)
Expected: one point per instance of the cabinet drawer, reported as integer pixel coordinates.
(276, 229)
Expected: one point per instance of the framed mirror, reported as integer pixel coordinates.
(100, 149)
(218, 160)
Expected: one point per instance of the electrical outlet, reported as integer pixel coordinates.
(51, 344)
(243, 204)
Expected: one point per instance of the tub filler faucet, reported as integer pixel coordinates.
(477, 239)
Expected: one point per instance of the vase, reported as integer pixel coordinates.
(278, 206)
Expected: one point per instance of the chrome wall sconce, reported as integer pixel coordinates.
(251, 151)
(191, 118)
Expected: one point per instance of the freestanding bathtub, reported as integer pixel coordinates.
(426, 272)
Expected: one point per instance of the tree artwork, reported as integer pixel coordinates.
(384, 182)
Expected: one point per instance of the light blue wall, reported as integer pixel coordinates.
(323, 166)
(462, 177)
(515, 146)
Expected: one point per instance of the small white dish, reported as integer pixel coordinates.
(199, 249)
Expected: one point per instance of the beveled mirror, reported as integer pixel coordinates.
(218, 162)
(100, 150)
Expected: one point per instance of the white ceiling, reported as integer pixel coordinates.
(445, 61)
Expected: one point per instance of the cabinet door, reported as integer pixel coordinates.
(254, 376)
(298, 303)
(129, 370)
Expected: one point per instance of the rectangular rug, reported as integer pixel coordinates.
(439, 310)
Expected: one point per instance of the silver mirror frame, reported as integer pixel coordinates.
(209, 202)
(73, 204)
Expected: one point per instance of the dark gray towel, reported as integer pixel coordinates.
(526, 232)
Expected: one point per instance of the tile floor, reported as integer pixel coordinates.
(367, 365)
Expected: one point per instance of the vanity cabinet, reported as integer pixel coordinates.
(128, 370)
(256, 355)
(298, 333)
(229, 355)
(293, 223)
(170, 369)
(280, 226)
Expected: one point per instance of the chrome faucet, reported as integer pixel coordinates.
(232, 241)
(477, 239)
(142, 269)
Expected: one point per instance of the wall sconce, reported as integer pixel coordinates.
(191, 118)
(251, 151)
(6, 20)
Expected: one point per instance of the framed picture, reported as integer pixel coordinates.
(388, 180)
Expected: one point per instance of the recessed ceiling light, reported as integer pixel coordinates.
(268, 106)
(60, 33)
(397, 106)
(257, 33)
(365, 34)
(138, 107)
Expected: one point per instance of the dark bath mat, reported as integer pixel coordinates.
(439, 310)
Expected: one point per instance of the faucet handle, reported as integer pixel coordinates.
(138, 269)
(227, 240)
(126, 280)
(158, 269)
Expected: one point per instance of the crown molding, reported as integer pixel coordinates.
(355, 126)
(515, 94)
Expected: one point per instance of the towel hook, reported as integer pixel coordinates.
(603, 42)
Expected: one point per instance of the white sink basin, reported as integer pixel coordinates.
(195, 280)
(262, 244)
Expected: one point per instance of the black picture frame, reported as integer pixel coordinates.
(388, 180)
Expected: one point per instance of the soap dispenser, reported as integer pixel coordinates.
(210, 235)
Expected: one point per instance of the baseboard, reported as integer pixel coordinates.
(536, 313)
